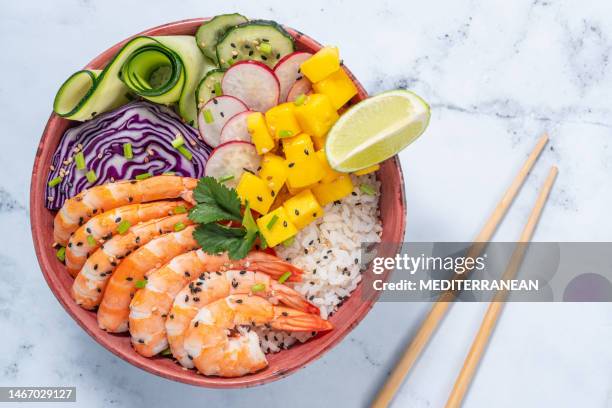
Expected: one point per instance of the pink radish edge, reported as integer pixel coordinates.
(211, 132)
(287, 71)
(225, 128)
(233, 167)
(253, 101)
(302, 86)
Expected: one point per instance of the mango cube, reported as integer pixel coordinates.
(256, 191)
(298, 147)
(329, 174)
(316, 115)
(330, 192)
(325, 62)
(304, 172)
(296, 190)
(258, 129)
(338, 87)
(367, 170)
(273, 171)
(276, 227)
(281, 121)
(303, 209)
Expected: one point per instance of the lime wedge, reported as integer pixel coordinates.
(376, 129)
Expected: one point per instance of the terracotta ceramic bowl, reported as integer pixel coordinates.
(392, 209)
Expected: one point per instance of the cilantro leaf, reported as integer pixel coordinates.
(215, 202)
(215, 238)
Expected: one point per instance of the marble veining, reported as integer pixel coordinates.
(496, 74)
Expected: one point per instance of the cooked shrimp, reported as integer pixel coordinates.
(210, 287)
(88, 286)
(80, 208)
(214, 352)
(151, 304)
(100, 228)
(131, 273)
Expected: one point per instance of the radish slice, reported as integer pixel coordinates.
(253, 83)
(214, 115)
(301, 86)
(287, 70)
(229, 160)
(236, 129)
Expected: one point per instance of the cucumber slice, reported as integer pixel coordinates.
(209, 33)
(208, 86)
(258, 40)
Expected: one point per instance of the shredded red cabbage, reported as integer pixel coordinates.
(149, 128)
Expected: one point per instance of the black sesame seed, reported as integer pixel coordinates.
(284, 314)
(314, 215)
(291, 164)
(272, 193)
(79, 244)
(356, 261)
(186, 298)
(215, 101)
(263, 57)
(354, 193)
(99, 290)
(196, 299)
(278, 56)
(259, 198)
(233, 45)
(306, 152)
(129, 279)
(118, 219)
(242, 272)
(130, 199)
(251, 53)
(285, 224)
(238, 300)
(88, 230)
(141, 341)
(196, 324)
(80, 221)
(187, 274)
(70, 245)
(171, 316)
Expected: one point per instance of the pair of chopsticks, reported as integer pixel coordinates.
(441, 306)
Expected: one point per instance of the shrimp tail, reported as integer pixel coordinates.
(293, 299)
(297, 321)
(273, 266)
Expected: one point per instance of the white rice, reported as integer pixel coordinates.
(328, 250)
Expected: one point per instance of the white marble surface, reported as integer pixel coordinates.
(497, 74)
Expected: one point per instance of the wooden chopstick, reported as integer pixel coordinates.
(439, 309)
(490, 318)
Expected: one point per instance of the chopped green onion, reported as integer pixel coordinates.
(61, 254)
(179, 226)
(91, 176)
(140, 284)
(144, 176)
(91, 240)
(226, 178)
(208, 118)
(265, 48)
(284, 277)
(367, 189)
(258, 287)
(123, 227)
(218, 90)
(127, 151)
(272, 222)
(263, 244)
(300, 100)
(178, 142)
(289, 241)
(179, 209)
(169, 173)
(54, 182)
(285, 133)
(79, 160)
(186, 153)
(166, 352)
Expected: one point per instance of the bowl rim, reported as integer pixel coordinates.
(174, 372)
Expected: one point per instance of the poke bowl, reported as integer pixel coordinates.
(344, 316)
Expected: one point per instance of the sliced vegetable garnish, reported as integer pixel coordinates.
(284, 277)
(127, 151)
(208, 117)
(178, 142)
(79, 161)
(179, 226)
(179, 209)
(61, 254)
(166, 352)
(185, 152)
(91, 240)
(54, 182)
(289, 242)
(300, 100)
(91, 176)
(258, 287)
(272, 222)
(367, 189)
(265, 48)
(226, 178)
(285, 133)
(123, 227)
(140, 283)
(218, 90)
(144, 176)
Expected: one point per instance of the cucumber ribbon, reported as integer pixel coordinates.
(163, 69)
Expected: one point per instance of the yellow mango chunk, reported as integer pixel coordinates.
(329, 174)
(303, 209)
(276, 227)
(296, 190)
(316, 115)
(329, 192)
(367, 170)
(325, 62)
(338, 87)
(256, 191)
(273, 171)
(260, 136)
(298, 147)
(304, 172)
(281, 121)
